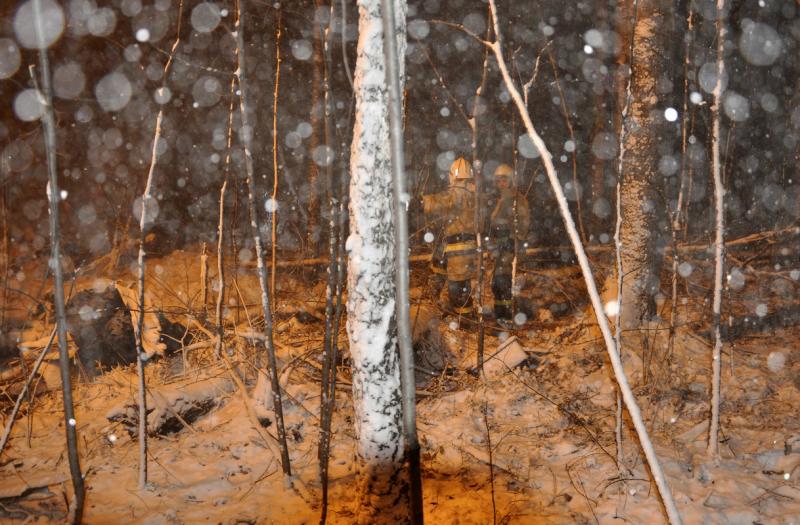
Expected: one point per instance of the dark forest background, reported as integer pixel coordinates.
(569, 53)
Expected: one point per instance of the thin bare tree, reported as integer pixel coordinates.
(478, 171)
(328, 365)
(220, 228)
(143, 219)
(54, 196)
(677, 212)
(275, 170)
(246, 134)
(220, 270)
(719, 242)
(394, 29)
(334, 303)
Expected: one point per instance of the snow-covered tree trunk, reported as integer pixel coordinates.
(371, 325)
(638, 234)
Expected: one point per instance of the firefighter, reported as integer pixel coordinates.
(454, 254)
(509, 223)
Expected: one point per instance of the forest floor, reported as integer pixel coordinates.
(532, 443)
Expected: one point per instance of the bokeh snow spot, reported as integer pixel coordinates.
(9, 58)
(685, 269)
(604, 146)
(162, 95)
(419, 29)
(87, 313)
(52, 24)
(668, 165)
(322, 155)
(271, 205)
(762, 310)
(29, 105)
(601, 207)
(245, 255)
(68, 80)
(156, 23)
(113, 91)
(611, 308)
(207, 91)
(737, 108)
(759, 43)
(102, 22)
(769, 102)
(293, 140)
(736, 279)
(304, 129)
(301, 49)
(132, 53)
(594, 38)
(776, 361)
(708, 77)
(205, 17)
(526, 147)
(150, 209)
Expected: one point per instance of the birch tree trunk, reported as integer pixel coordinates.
(372, 324)
(638, 233)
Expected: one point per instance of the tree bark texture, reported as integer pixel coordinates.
(643, 126)
(371, 326)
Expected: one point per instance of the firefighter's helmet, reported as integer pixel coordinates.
(460, 170)
(504, 171)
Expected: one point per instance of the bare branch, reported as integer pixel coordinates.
(611, 347)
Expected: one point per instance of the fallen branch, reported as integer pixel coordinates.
(18, 404)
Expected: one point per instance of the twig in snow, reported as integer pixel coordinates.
(485, 411)
(18, 404)
(582, 491)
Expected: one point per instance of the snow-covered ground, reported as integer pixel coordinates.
(534, 444)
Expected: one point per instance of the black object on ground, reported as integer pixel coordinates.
(101, 327)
